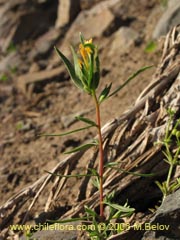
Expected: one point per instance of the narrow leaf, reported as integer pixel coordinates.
(86, 120)
(96, 182)
(77, 68)
(94, 172)
(104, 93)
(160, 186)
(96, 76)
(70, 69)
(91, 71)
(129, 79)
(132, 173)
(120, 208)
(66, 133)
(111, 164)
(82, 147)
(70, 176)
(90, 211)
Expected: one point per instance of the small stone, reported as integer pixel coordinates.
(67, 11)
(44, 44)
(122, 39)
(92, 23)
(169, 19)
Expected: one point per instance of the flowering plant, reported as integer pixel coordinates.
(85, 74)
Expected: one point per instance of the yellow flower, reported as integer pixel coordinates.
(85, 52)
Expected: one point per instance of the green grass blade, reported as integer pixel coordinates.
(129, 79)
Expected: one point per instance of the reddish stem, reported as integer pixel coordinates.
(101, 153)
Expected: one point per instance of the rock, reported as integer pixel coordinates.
(92, 23)
(67, 11)
(168, 215)
(44, 44)
(30, 79)
(151, 22)
(16, 15)
(121, 40)
(169, 19)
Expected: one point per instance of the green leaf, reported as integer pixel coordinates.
(78, 71)
(104, 93)
(129, 79)
(161, 187)
(96, 182)
(90, 211)
(93, 171)
(151, 47)
(66, 133)
(70, 69)
(110, 196)
(86, 120)
(91, 71)
(171, 112)
(96, 76)
(111, 164)
(82, 147)
(120, 208)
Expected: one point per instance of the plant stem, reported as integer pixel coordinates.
(169, 177)
(101, 153)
